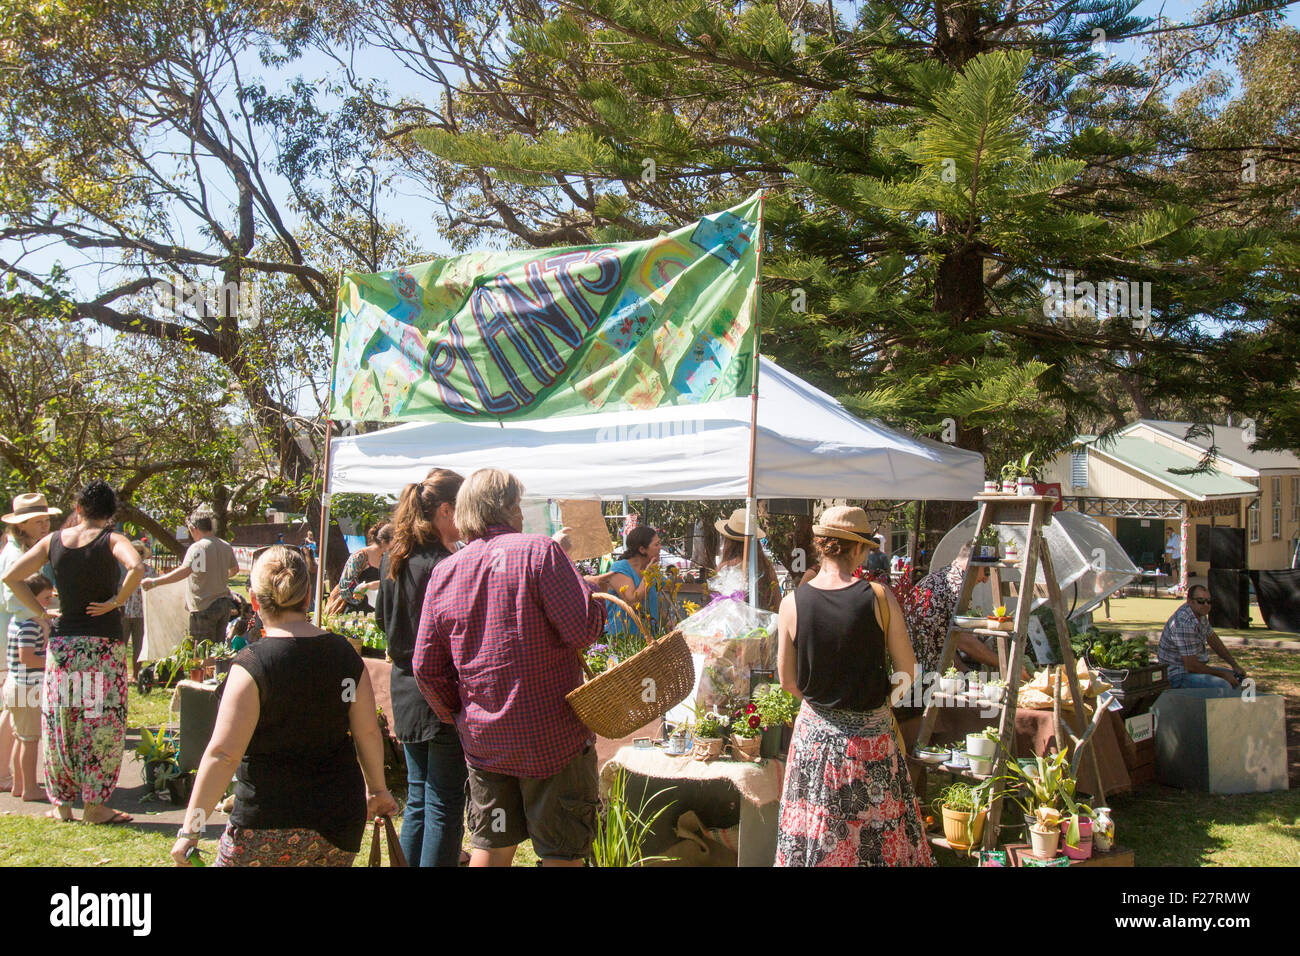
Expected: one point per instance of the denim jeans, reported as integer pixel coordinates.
(1199, 680)
(434, 821)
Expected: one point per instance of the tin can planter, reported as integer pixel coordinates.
(990, 487)
(707, 748)
(678, 745)
(1008, 486)
(1025, 487)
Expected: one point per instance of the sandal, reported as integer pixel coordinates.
(118, 817)
(55, 815)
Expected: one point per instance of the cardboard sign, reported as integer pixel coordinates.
(587, 529)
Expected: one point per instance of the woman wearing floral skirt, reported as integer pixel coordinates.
(84, 709)
(848, 799)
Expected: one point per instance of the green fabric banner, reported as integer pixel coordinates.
(567, 331)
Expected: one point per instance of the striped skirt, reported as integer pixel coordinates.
(848, 798)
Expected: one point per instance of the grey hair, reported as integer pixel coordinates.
(486, 498)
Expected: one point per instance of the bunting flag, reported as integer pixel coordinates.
(566, 331)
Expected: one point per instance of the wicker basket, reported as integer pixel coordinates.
(614, 704)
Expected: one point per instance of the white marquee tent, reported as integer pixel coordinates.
(808, 446)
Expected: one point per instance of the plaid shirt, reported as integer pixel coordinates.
(1184, 636)
(504, 622)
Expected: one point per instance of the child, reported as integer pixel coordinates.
(22, 688)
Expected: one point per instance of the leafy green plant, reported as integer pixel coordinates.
(988, 537)
(1049, 786)
(965, 798)
(1111, 650)
(710, 725)
(952, 673)
(621, 831)
(158, 753)
(776, 707)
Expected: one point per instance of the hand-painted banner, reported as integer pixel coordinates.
(514, 335)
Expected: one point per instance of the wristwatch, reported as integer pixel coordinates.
(183, 834)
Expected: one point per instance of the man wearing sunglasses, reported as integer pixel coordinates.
(1183, 647)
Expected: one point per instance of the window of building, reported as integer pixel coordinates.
(1079, 468)
(1295, 499)
(1277, 507)
(1252, 520)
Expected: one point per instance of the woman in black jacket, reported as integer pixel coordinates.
(424, 532)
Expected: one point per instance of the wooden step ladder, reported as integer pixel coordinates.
(1033, 512)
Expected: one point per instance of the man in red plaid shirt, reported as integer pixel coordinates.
(505, 621)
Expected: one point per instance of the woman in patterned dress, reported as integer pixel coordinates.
(848, 799)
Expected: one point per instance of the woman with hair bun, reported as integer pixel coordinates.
(424, 533)
(282, 730)
(84, 702)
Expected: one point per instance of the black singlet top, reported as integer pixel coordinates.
(84, 576)
(842, 664)
(300, 769)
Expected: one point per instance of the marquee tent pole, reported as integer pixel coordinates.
(325, 483)
(752, 545)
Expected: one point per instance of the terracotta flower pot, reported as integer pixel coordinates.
(746, 748)
(960, 830)
(707, 748)
(196, 674)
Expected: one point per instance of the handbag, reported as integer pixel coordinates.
(395, 855)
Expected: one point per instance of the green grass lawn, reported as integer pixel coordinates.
(1165, 827)
(1145, 613)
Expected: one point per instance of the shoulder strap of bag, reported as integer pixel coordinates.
(882, 608)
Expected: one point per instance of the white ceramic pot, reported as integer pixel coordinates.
(993, 692)
(1045, 841)
(980, 765)
(990, 487)
(950, 685)
(1025, 487)
(1009, 487)
(977, 745)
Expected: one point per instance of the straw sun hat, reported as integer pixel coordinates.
(27, 507)
(734, 526)
(851, 524)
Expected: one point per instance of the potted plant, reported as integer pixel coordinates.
(1000, 620)
(1010, 474)
(597, 658)
(709, 729)
(932, 753)
(679, 739)
(158, 752)
(777, 710)
(983, 743)
(950, 682)
(964, 808)
(985, 545)
(746, 733)
(990, 486)
(1026, 475)
(974, 684)
(1045, 833)
(1011, 550)
(994, 688)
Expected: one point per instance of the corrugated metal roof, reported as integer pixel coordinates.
(1230, 443)
(1159, 462)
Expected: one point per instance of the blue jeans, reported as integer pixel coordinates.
(1199, 680)
(434, 821)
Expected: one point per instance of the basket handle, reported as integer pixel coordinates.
(619, 602)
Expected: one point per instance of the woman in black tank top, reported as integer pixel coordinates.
(83, 710)
(848, 799)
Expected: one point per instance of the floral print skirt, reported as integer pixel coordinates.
(241, 846)
(848, 798)
(83, 717)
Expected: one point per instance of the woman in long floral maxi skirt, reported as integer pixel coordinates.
(848, 798)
